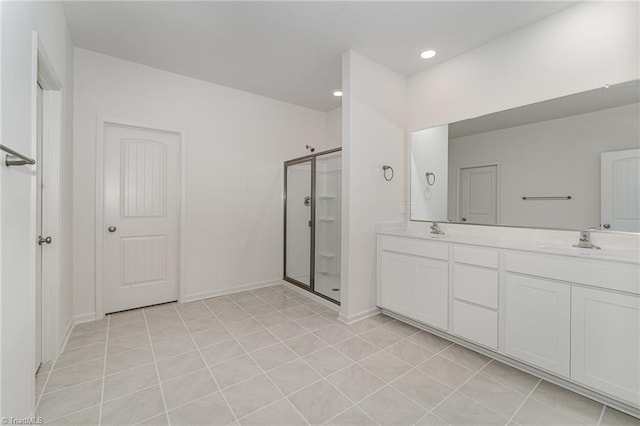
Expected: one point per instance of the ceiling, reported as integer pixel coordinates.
(291, 51)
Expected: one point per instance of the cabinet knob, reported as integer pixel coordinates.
(464, 219)
(606, 226)
(111, 229)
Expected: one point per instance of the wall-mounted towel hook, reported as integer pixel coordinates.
(384, 173)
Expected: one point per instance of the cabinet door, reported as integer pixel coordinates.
(394, 292)
(605, 342)
(430, 282)
(537, 323)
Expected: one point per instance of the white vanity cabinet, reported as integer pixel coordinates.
(537, 322)
(605, 342)
(413, 279)
(575, 317)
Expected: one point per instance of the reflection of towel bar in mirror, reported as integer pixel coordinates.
(564, 197)
(14, 158)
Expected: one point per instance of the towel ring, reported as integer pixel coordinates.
(431, 178)
(384, 173)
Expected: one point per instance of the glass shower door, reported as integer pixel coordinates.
(298, 221)
(328, 184)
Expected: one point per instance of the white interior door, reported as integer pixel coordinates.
(39, 188)
(478, 195)
(620, 190)
(141, 217)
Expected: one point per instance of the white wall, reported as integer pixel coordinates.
(373, 134)
(580, 48)
(334, 128)
(555, 157)
(236, 144)
(429, 153)
(17, 323)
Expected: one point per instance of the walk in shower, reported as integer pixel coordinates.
(312, 188)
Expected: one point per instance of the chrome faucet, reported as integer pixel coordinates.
(435, 228)
(585, 240)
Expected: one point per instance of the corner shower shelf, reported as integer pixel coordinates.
(326, 219)
(326, 254)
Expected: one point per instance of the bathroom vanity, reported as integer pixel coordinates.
(561, 312)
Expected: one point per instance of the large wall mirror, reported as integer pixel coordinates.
(567, 163)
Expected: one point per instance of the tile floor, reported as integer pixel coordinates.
(274, 357)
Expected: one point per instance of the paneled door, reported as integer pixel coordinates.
(141, 217)
(479, 194)
(620, 190)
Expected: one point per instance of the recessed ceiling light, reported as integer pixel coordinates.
(337, 93)
(428, 54)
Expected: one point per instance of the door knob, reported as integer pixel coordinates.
(606, 226)
(42, 240)
(111, 229)
(464, 219)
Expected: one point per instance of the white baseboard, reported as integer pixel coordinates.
(79, 319)
(229, 290)
(368, 313)
(66, 336)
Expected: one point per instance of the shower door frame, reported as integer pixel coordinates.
(312, 263)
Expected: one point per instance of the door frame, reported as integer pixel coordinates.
(312, 265)
(459, 191)
(53, 94)
(101, 123)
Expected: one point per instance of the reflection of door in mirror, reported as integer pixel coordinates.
(620, 182)
(478, 195)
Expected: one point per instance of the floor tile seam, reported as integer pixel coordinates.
(149, 418)
(322, 376)
(97, 404)
(184, 404)
(558, 409)
(224, 397)
(525, 400)
(398, 334)
(526, 395)
(284, 398)
(155, 364)
(259, 367)
(104, 371)
(457, 389)
(72, 348)
(84, 333)
(486, 376)
(459, 363)
(373, 421)
(44, 386)
(604, 407)
(431, 413)
(76, 364)
(157, 384)
(391, 384)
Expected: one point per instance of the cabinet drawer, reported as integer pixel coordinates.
(415, 247)
(609, 275)
(474, 323)
(476, 285)
(477, 256)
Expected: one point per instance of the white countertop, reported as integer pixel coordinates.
(545, 246)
